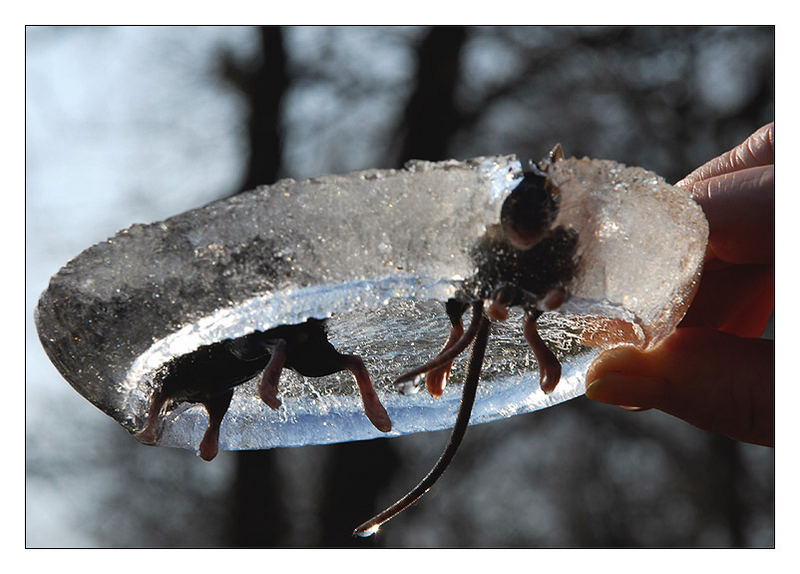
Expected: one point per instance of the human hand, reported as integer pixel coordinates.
(713, 371)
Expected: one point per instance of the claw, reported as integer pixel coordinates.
(549, 365)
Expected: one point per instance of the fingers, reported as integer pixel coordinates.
(736, 299)
(706, 372)
(756, 150)
(737, 193)
(715, 381)
(740, 208)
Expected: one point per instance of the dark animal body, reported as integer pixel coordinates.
(209, 374)
(534, 272)
(214, 369)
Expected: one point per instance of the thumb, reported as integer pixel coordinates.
(718, 382)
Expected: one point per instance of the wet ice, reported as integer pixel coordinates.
(375, 253)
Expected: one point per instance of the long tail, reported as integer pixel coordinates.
(451, 353)
(459, 429)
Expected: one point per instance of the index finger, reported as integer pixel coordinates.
(757, 150)
(740, 208)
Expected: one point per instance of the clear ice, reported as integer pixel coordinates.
(375, 252)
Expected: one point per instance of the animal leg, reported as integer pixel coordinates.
(459, 429)
(447, 356)
(436, 379)
(148, 434)
(268, 385)
(549, 365)
(216, 409)
(372, 404)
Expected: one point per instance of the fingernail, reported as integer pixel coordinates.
(628, 390)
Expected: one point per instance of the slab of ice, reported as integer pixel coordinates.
(641, 241)
(376, 253)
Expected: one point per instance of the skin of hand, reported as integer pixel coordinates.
(714, 371)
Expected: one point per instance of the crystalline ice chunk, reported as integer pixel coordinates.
(375, 254)
(641, 241)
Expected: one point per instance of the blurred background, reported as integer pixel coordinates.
(135, 124)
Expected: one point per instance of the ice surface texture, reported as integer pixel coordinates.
(376, 253)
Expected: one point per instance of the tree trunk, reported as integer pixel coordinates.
(359, 472)
(258, 518)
